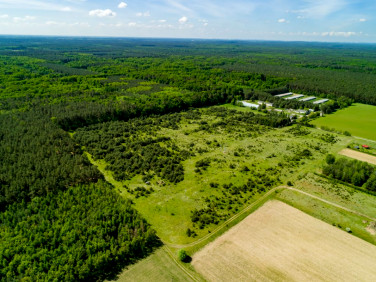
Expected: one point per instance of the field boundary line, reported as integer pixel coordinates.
(234, 217)
(231, 219)
(171, 255)
(356, 137)
(329, 202)
(365, 139)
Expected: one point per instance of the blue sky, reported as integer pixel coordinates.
(305, 20)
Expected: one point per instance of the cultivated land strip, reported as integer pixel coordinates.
(281, 243)
(223, 225)
(358, 156)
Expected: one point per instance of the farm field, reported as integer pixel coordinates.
(359, 120)
(358, 156)
(281, 243)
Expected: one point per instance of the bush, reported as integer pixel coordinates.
(183, 255)
(330, 159)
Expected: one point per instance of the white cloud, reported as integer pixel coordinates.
(122, 5)
(51, 23)
(162, 21)
(66, 9)
(183, 20)
(4, 16)
(322, 8)
(362, 20)
(31, 5)
(282, 20)
(146, 14)
(24, 19)
(339, 33)
(132, 24)
(102, 13)
(178, 5)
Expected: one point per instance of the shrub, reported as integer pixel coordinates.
(330, 159)
(183, 255)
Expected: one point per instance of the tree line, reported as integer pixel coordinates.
(354, 172)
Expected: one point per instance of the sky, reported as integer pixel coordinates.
(288, 20)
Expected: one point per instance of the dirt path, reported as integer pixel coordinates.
(223, 225)
(358, 156)
(173, 257)
(331, 203)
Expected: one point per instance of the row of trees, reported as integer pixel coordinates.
(355, 172)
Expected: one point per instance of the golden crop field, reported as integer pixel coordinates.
(280, 243)
(358, 156)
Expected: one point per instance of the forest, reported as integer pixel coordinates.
(63, 97)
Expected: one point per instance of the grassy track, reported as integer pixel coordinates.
(359, 120)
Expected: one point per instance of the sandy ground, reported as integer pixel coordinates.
(359, 156)
(281, 243)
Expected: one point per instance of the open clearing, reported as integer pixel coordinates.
(359, 120)
(358, 156)
(280, 243)
(157, 267)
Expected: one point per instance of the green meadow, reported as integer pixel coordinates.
(359, 120)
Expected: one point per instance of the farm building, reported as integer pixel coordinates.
(284, 94)
(322, 101)
(294, 97)
(302, 112)
(266, 103)
(250, 105)
(307, 99)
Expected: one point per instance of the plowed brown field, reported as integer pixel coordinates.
(281, 243)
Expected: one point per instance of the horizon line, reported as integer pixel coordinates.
(184, 38)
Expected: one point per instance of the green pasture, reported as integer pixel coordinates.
(359, 120)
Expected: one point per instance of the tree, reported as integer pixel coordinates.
(183, 255)
(330, 159)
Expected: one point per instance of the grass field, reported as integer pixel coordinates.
(359, 120)
(281, 243)
(157, 267)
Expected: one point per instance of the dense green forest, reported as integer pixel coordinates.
(58, 218)
(85, 233)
